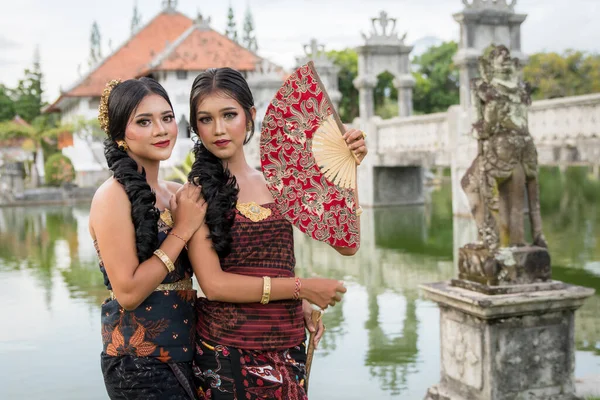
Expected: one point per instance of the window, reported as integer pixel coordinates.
(182, 74)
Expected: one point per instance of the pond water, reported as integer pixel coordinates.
(382, 341)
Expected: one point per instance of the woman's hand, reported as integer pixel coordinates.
(355, 140)
(322, 292)
(307, 310)
(188, 208)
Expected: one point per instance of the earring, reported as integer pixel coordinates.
(122, 145)
(249, 127)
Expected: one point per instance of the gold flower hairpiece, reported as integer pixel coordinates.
(103, 109)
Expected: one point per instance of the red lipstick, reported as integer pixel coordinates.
(164, 143)
(222, 143)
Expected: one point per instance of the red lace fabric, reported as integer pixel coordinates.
(263, 248)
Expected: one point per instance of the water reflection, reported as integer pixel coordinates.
(381, 342)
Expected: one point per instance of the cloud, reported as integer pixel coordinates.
(7, 44)
(7, 62)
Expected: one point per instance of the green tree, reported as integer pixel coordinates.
(552, 75)
(95, 45)
(136, 19)
(41, 135)
(347, 61)
(28, 94)
(249, 37)
(437, 79)
(231, 31)
(7, 105)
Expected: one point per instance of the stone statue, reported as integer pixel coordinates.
(503, 174)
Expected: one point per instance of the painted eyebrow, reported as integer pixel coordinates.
(150, 114)
(221, 110)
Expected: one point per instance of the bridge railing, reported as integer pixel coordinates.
(558, 121)
(417, 133)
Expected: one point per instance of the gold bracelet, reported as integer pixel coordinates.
(359, 211)
(266, 296)
(165, 259)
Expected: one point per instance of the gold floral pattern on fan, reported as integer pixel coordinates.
(253, 211)
(312, 186)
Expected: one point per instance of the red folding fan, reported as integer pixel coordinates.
(309, 169)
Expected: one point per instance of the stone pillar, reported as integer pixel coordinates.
(405, 85)
(366, 105)
(384, 51)
(327, 70)
(264, 82)
(507, 346)
(482, 22)
(366, 170)
(485, 22)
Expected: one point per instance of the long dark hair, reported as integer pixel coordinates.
(219, 186)
(122, 102)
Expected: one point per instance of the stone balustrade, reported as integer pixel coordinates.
(556, 122)
(566, 119)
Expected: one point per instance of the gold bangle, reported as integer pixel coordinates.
(359, 211)
(165, 259)
(266, 296)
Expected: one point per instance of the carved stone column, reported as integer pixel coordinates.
(482, 22)
(506, 346)
(366, 105)
(405, 85)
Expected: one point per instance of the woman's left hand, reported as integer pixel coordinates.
(320, 329)
(355, 139)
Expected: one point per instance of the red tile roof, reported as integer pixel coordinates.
(171, 41)
(200, 48)
(133, 56)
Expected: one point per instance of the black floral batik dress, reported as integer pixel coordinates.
(147, 352)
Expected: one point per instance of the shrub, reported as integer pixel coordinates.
(59, 170)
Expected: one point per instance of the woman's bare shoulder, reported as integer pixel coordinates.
(109, 201)
(110, 192)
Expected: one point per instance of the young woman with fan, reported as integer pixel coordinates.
(140, 226)
(250, 336)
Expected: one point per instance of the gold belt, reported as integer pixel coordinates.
(184, 284)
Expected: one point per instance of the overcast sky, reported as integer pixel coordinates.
(61, 28)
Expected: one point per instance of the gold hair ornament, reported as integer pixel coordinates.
(103, 108)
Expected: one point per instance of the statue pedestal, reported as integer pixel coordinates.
(506, 346)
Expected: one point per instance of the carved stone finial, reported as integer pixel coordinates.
(314, 49)
(383, 31)
(169, 5)
(201, 22)
(384, 21)
(498, 5)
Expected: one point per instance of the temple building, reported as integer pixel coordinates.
(173, 49)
